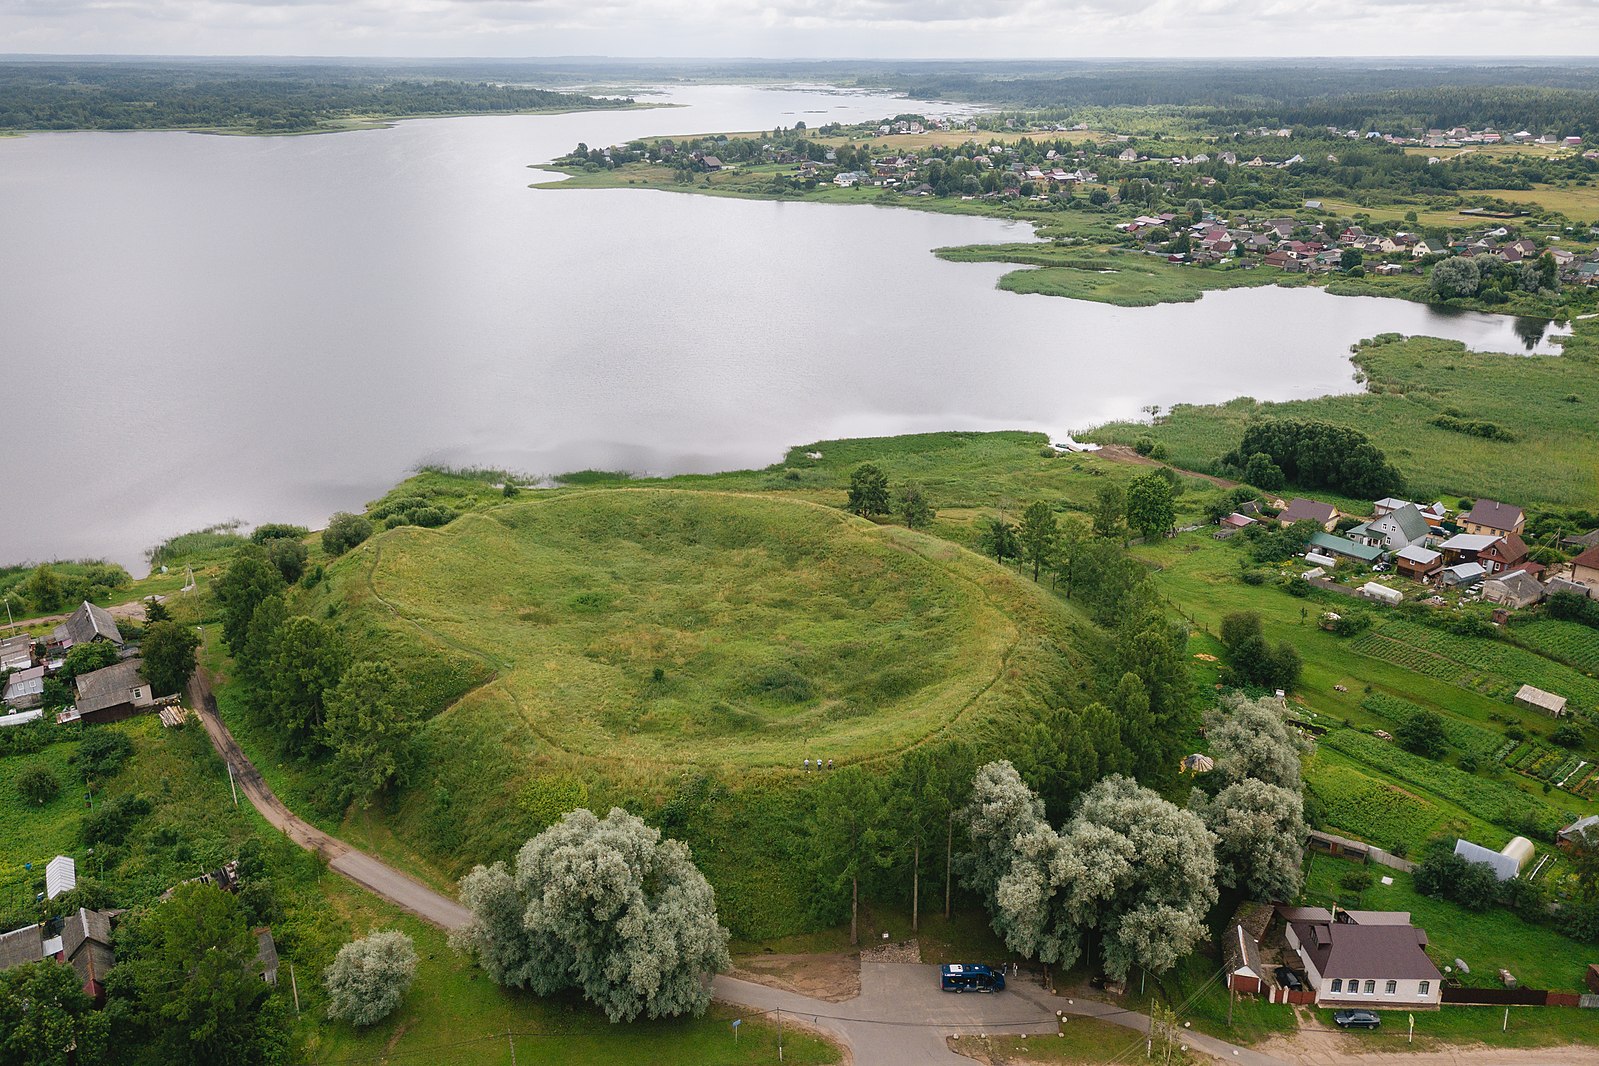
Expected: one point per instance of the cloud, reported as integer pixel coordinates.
(795, 28)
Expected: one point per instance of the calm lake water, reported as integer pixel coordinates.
(198, 328)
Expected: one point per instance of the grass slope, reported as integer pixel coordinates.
(781, 629)
(1129, 279)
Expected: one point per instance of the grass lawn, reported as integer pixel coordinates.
(1081, 1040)
(455, 1014)
(1487, 941)
(31, 834)
(1196, 990)
(1548, 402)
(1577, 202)
(1129, 279)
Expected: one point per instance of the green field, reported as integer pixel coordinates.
(683, 629)
(1570, 642)
(1490, 667)
(1129, 279)
(1549, 402)
(678, 653)
(1487, 940)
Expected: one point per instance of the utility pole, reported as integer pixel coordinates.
(780, 1034)
(295, 986)
(233, 786)
(512, 1042)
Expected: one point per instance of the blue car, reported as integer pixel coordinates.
(971, 977)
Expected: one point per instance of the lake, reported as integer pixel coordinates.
(202, 328)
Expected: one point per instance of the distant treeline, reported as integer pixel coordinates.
(1537, 97)
(256, 97)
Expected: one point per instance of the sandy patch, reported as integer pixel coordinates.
(832, 977)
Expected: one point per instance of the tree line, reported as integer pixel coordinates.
(263, 98)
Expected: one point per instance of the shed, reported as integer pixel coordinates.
(1505, 864)
(1374, 591)
(60, 875)
(1463, 574)
(1418, 562)
(266, 955)
(1331, 545)
(1593, 977)
(1537, 699)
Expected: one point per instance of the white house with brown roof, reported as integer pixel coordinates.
(1372, 963)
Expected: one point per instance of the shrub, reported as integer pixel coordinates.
(1422, 734)
(369, 977)
(102, 753)
(114, 819)
(278, 531)
(37, 785)
(344, 532)
(1144, 445)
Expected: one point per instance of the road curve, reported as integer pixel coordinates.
(372, 875)
(899, 1019)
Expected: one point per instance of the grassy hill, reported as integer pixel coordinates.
(680, 653)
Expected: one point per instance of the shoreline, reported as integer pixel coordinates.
(353, 124)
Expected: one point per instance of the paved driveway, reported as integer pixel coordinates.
(901, 1017)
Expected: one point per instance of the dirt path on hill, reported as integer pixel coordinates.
(1121, 453)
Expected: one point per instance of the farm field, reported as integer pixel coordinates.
(1573, 202)
(1570, 642)
(1493, 668)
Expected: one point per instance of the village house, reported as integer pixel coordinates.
(16, 653)
(87, 624)
(1418, 563)
(24, 689)
(1584, 570)
(83, 942)
(1377, 963)
(1395, 529)
(111, 694)
(1300, 509)
(1465, 547)
(1491, 516)
(1513, 588)
(1329, 544)
(1503, 554)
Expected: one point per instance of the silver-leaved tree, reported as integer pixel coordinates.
(602, 905)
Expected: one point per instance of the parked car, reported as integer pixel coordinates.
(1289, 979)
(1356, 1019)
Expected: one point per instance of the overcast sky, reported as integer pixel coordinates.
(804, 28)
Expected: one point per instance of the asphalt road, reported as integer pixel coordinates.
(363, 869)
(900, 1018)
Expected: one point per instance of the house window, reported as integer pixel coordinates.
(1371, 987)
(1338, 984)
(1393, 986)
(1426, 986)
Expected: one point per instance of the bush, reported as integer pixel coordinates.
(114, 820)
(37, 785)
(1568, 735)
(1144, 445)
(278, 531)
(344, 532)
(289, 557)
(1422, 734)
(369, 977)
(102, 753)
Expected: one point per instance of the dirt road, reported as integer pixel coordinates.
(363, 869)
